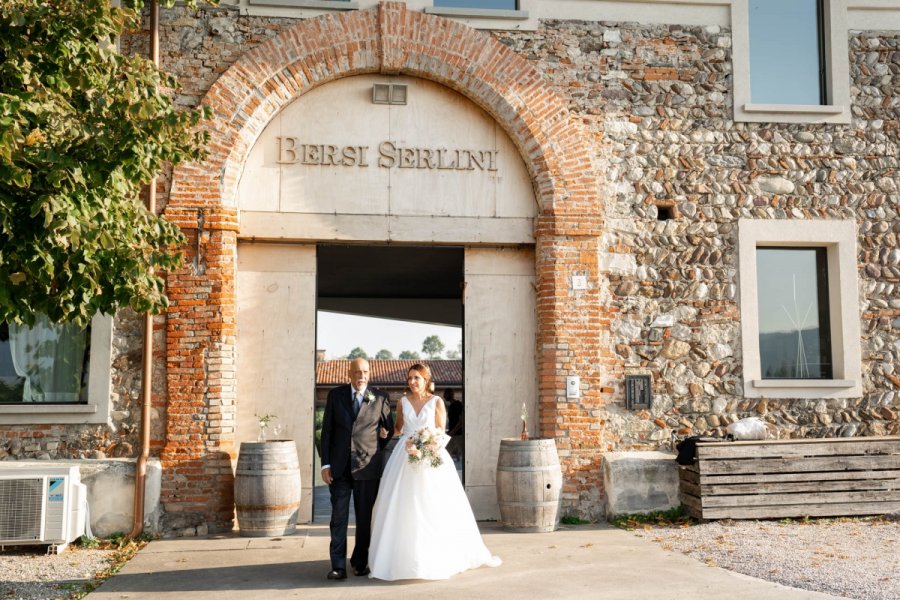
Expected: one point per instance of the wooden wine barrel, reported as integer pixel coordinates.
(529, 482)
(267, 488)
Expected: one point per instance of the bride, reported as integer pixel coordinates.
(422, 524)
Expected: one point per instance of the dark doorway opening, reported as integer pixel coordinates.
(389, 285)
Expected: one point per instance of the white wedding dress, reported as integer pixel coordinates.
(422, 524)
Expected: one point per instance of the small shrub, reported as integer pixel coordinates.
(573, 520)
(668, 518)
(89, 542)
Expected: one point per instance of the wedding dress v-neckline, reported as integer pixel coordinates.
(419, 412)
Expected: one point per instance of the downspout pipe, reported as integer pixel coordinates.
(140, 469)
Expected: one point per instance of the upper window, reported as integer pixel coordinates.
(786, 52)
(480, 9)
(486, 4)
(794, 328)
(791, 61)
(800, 317)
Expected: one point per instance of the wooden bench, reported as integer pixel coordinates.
(824, 477)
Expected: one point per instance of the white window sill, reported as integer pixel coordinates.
(43, 409)
(486, 13)
(797, 109)
(803, 383)
(320, 4)
(51, 414)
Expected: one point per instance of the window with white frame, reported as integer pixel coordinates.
(484, 9)
(55, 373)
(484, 4)
(794, 324)
(44, 362)
(786, 52)
(799, 308)
(791, 61)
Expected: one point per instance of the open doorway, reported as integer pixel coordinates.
(394, 305)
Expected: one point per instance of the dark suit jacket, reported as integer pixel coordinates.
(355, 442)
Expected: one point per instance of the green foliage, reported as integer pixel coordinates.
(123, 549)
(433, 346)
(319, 419)
(88, 542)
(357, 353)
(82, 128)
(409, 355)
(674, 517)
(573, 520)
(384, 354)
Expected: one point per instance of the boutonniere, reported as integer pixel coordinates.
(370, 397)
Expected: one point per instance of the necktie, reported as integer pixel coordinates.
(357, 402)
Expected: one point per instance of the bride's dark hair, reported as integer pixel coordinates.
(425, 372)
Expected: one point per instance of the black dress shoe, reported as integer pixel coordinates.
(361, 572)
(337, 574)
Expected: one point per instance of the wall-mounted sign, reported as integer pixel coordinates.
(388, 155)
(637, 392)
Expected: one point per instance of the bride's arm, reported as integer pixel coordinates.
(398, 425)
(440, 415)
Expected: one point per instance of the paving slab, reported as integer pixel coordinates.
(573, 562)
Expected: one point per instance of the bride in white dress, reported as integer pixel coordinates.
(422, 524)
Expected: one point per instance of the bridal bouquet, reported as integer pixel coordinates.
(424, 446)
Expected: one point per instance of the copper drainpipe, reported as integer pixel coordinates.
(140, 469)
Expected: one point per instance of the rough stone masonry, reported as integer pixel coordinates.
(655, 102)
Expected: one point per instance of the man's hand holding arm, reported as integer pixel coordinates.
(385, 422)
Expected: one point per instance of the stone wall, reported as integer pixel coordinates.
(658, 99)
(655, 102)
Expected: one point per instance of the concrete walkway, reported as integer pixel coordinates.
(574, 562)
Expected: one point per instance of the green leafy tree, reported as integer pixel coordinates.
(357, 353)
(384, 354)
(433, 346)
(82, 128)
(455, 354)
(409, 355)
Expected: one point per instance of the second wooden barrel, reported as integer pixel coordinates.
(267, 488)
(529, 482)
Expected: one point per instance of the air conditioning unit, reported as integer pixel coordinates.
(41, 504)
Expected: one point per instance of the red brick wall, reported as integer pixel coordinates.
(389, 39)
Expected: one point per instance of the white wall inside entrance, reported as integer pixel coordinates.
(500, 363)
(335, 166)
(276, 299)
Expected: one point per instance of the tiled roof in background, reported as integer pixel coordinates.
(390, 372)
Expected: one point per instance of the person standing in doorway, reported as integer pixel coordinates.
(356, 427)
(454, 424)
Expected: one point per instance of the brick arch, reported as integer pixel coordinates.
(391, 40)
(201, 320)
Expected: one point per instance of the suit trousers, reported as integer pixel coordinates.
(364, 493)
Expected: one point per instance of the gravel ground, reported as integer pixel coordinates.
(853, 558)
(28, 573)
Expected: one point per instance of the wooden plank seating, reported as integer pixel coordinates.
(825, 477)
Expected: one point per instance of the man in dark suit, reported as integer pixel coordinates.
(356, 427)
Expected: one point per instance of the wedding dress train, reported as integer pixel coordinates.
(422, 524)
